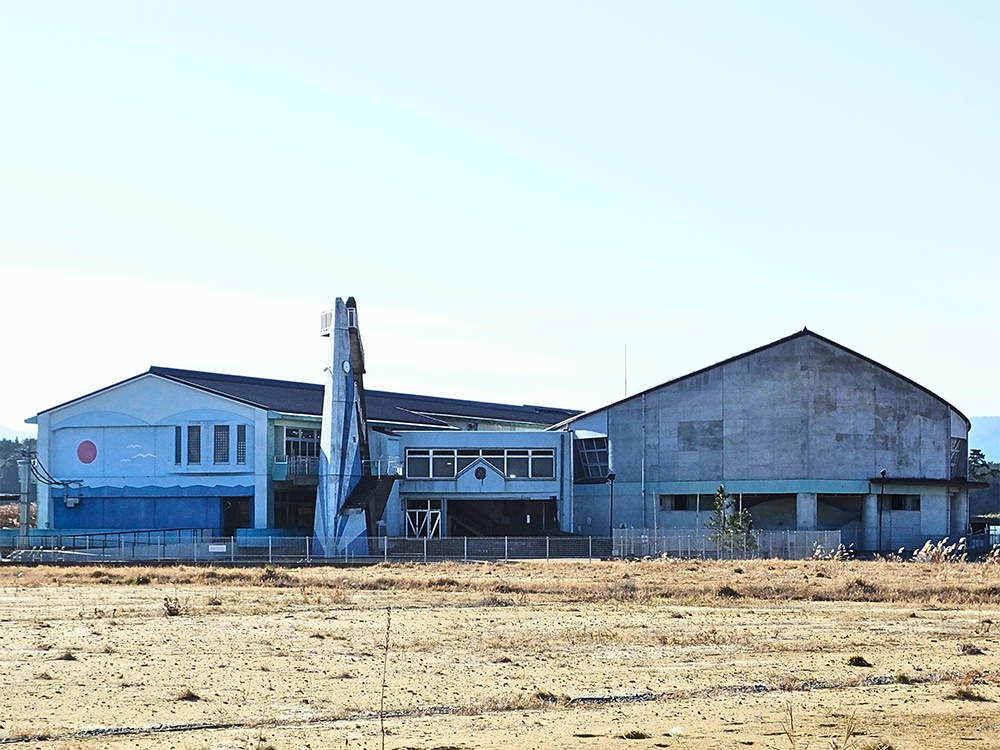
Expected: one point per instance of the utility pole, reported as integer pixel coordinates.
(24, 474)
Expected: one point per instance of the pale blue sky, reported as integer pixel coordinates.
(512, 191)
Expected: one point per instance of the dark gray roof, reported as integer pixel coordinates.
(291, 397)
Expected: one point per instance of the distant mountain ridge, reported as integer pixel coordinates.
(985, 435)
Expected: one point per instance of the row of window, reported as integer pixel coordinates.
(692, 502)
(449, 463)
(221, 444)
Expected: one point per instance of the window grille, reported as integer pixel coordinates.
(221, 444)
(194, 444)
(241, 443)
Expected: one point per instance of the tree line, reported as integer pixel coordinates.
(10, 452)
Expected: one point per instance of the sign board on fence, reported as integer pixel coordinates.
(216, 548)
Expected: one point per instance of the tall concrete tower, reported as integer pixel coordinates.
(338, 529)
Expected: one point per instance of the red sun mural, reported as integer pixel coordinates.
(86, 452)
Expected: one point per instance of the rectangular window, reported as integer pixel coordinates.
(959, 458)
(543, 464)
(178, 445)
(418, 464)
(221, 444)
(517, 464)
(302, 442)
(194, 444)
(241, 443)
(443, 464)
(678, 502)
(905, 502)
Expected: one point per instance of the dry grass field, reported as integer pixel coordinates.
(676, 654)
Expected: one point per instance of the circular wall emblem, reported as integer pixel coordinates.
(86, 452)
(480, 473)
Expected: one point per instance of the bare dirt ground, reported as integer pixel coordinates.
(676, 654)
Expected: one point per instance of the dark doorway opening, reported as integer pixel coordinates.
(295, 508)
(502, 517)
(235, 514)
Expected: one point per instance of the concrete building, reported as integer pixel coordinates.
(172, 449)
(806, 433)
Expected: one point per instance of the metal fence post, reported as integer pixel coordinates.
(385, 548)
(232, 549)
(425, 550)
(465, 549)
(269, 548)
(505, 549)
(546, 549)
(590, 549)
(307, 549)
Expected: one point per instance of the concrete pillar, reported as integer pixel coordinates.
(869, 524)
(805, 511)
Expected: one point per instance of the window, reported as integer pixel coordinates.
(905, 502)
(241, 443)
(194, 444)
(178, 444)
(591, 459)
(543, 464)
(517, 464)
(302, 442)
(513, 463)
(221, 444)
(418, 464)
(443, 464)
(678, 502)
(959, 458)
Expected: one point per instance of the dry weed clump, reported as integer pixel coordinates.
(942, 552)
(520, 702)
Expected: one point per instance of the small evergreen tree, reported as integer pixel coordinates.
(981, 470)
(732, 529)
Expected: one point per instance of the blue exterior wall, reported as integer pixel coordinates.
(146, 508)
(118, 446)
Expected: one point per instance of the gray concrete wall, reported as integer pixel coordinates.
(801, 410)
(804, 417)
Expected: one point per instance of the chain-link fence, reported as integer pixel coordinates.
(197, 546)
(688, 543)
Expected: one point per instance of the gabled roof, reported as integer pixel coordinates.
(804, 333)
(398, 409)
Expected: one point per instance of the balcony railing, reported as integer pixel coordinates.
(288, 467)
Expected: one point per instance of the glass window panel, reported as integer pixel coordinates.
(443, 466)
(220, 444)
(463, 463)
(543, 467)
(241, 443)
(418, 467)
(194, 444)
(517, 466)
